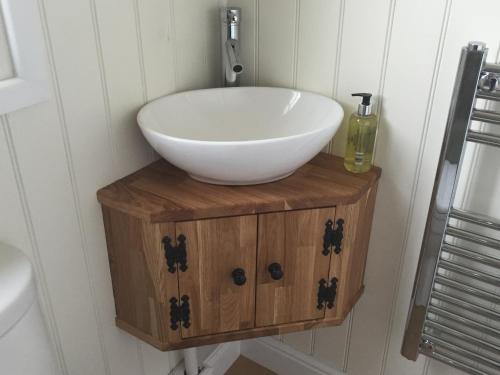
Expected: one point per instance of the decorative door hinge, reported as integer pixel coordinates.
(176, 255)
(179, 313)
(327, 294)
(333, 237)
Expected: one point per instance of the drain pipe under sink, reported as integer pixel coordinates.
(191, 361)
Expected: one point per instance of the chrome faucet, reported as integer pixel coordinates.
(231, 64)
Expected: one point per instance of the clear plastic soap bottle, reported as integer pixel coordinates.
(361, 137)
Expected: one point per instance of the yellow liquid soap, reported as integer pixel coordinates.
(360, 143)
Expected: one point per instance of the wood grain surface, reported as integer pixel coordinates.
(141, 283)
(294, 240)
(279, 329)
(215, 248)
(228, 228)
(160, 192)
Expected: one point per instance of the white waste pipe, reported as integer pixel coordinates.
(190, 361)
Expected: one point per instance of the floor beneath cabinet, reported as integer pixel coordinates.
(244, 366)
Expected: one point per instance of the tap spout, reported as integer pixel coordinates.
(233, 65)
(230, 46)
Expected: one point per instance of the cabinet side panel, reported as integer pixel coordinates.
(128, 269)
(358, 219)
(363, 239)
(135, 282)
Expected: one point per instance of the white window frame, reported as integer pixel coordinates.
(29, 85)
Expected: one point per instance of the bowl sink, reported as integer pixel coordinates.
(242, 135)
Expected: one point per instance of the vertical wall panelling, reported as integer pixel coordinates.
(257, 48)
(331, 344)
(277, 22)
(140, 49)
(197, 32)
(119, 51)
(301, 341)
(157, 32)
(6, 67)
(460, 31)
(340, 33)
(401, 134)
(80, 125)
(37, 131)
(17, 229)
(119, 41)
(155, 362)
(296, 42)
(361, 59)
(317, 45)
(142, 67)
(14, 230)
(51, 203)
(394, 363)
(336, 68)
(361, 37)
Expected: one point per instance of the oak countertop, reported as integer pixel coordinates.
(161, 192)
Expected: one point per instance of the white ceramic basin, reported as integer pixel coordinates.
(240, 136)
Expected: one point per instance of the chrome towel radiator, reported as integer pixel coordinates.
(454, 315)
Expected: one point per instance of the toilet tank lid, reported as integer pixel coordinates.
(17, 286)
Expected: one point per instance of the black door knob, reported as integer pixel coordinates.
(276, 271)
(239, 277)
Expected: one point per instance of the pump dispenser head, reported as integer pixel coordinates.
(365, 108)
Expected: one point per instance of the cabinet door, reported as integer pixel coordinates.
(218, 300)
(294, 241)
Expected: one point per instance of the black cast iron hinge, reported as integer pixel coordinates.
(176, 255)
(333, 237)
(327, 294)
(179, 313)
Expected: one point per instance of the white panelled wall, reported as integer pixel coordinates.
(6, 68)
(109, 57)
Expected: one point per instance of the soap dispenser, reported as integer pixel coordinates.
(361, 137)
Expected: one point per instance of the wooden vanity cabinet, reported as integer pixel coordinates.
(195, 264)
